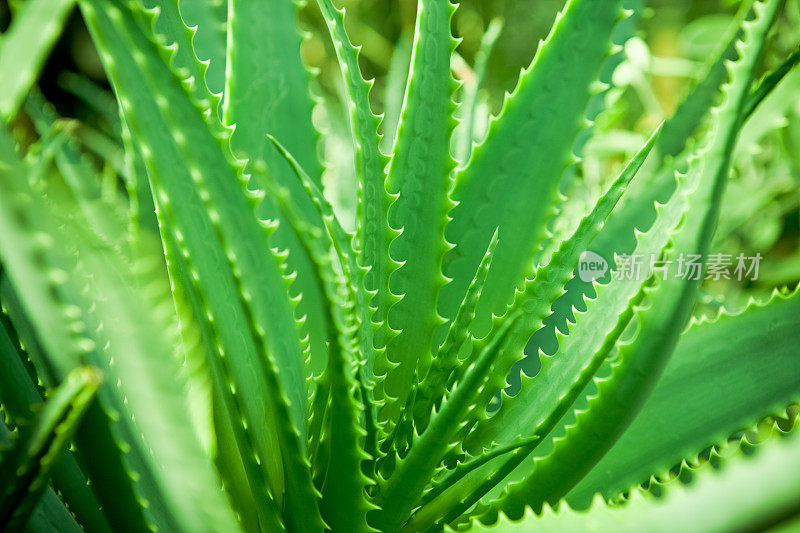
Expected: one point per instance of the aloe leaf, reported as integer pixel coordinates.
(26, 467)
(702, 97)
(51, 515)
(513, 178)
(727, 374)
(242, 475)
(93, 96)
(496, 353)
(521, 320)
(397, 494)
(433, 387)
(756, 490)
(119, 487)
(264, 65)
(106, 214)
(24, 48)
(419, 177)
(544, 399)
(111, 474)
(642, 360)
(426, 397)
(635, 211)
(170, 28)
(427, 515)
(152, 380)
(227, 234)
(340, 241)
(471, 89)
(19, 395)
(769, 82)
(142, 205)
(226, 246)
(678, 137)
(362, 399)
(128, 310)
(580, 353)
(533, 301)
(343, 505)
(209, 18)
(396, 81)
(21, 253)
(374, 234)
(675, 145)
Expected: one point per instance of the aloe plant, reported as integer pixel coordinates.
(225, 356)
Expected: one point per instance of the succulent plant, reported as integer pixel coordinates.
(219, 354)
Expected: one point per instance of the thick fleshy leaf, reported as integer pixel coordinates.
(202, 197)
(20, 396)
(373, 231)
(727, 373)
(267, 92)
(757, 491)
(668, 303)
(25, 469)
(209, 17)
(493, 357)
(24, 47)
(512, 180)
(419, 177)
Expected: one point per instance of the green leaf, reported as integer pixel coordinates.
(93, 95)
(209, 17)
(201, 195)
(396, 81)
(105, 213)
(373, 233)
(142, 205)
(24, 48)
(592, 335)
(419, 178)
(472, 86)
(445, 369)
(426, 397)
(264, 65)
(533, 301)
(52, 515)
(117, 313)
(727, 374)
(667, 307)
(340, 242)
(524, 317)
(343, 505)
(512, 180)
(701, 97)
(25, 469)
(19, 396)
(171, 30)
(543, 399)
(397, 494)
(769, 82)
(244, 478)
(140, 357)
(46, 311)
(749, 492)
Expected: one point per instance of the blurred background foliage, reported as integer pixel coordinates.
(673, 41)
